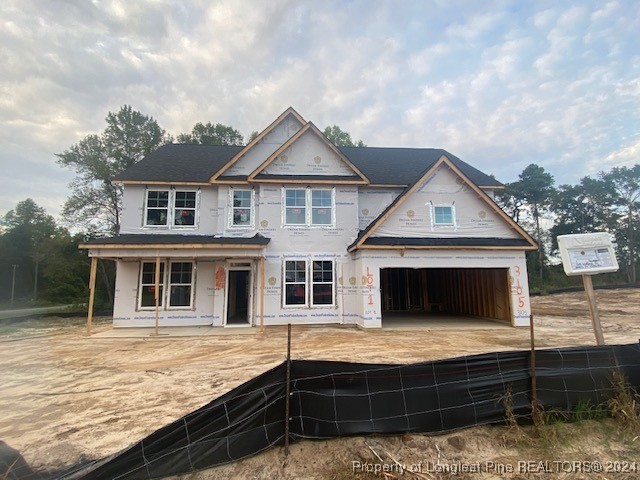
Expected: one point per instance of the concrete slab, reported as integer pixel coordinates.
(404, 320)
(164, 332)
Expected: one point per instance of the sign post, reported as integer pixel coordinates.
(588, 254)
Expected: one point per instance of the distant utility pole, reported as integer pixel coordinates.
(13, 282)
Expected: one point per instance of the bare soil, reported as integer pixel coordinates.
(66, 396)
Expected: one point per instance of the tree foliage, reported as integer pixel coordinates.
(253, 135)
(49, 265)
(95, 202)
(210, 134)
(625, 192)
(608, 202)
(340, 137)
(533, 191)
(583, 208)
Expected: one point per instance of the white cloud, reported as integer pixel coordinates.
(626, 156)
(545, 82)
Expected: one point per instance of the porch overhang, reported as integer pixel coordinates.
(187, 246)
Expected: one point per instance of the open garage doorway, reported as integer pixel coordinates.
(422, 296)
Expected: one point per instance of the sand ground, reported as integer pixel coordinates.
(67, 396)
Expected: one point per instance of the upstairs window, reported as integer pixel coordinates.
(295, 207)
(171, 208)
(443, 215)
(184, 209)
(321, 211)
(241, 208)
(309, 207)
(157, 211)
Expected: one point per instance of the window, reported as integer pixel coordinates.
(171, 208)
(295, 282)
(296, 207)
(180, 284)
(179, 289)
(321, 213)
(148, 285)
(241, 208)
(322, 279)
(309, 207)
(443, 215)
(320, 291)
(157, 207)
(184, 209)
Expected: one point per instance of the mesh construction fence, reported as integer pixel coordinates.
(331, 399)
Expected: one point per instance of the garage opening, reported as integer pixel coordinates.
(413, 295)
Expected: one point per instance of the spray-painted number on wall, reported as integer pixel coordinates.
(370, 285)
(519, 288)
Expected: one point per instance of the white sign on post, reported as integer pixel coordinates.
(587, 254)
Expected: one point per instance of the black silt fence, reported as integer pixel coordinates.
(331, 399)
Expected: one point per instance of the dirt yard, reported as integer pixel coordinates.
(67, 396)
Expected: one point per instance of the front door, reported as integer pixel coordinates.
(238, 295)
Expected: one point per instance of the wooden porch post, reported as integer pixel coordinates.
(593, 309)
(262, 277)
(156, 291)
(92, 292)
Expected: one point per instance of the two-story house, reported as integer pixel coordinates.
(292, 229)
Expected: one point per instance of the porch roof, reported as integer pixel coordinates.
(175, 241)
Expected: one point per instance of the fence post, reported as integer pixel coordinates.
(534, 380)
(288, 392)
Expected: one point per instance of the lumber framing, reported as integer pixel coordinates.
(92, 292)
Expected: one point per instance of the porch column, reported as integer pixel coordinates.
(92, 292)
(262, 277)
(156, 292)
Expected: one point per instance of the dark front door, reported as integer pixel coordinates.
(238, 297)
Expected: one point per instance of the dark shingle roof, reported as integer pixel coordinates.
(401, 166)
(171, 239)
(382, 165)
(180, 163)
(447, 242)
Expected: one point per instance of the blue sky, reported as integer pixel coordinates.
(500, 84)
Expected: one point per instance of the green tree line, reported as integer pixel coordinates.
(606, 202)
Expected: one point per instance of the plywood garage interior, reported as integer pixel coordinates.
(479, 292)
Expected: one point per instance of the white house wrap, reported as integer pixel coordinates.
(291, 229)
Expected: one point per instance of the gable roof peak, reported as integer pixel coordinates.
(428, 172)
(290, 111)
(310, 127)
